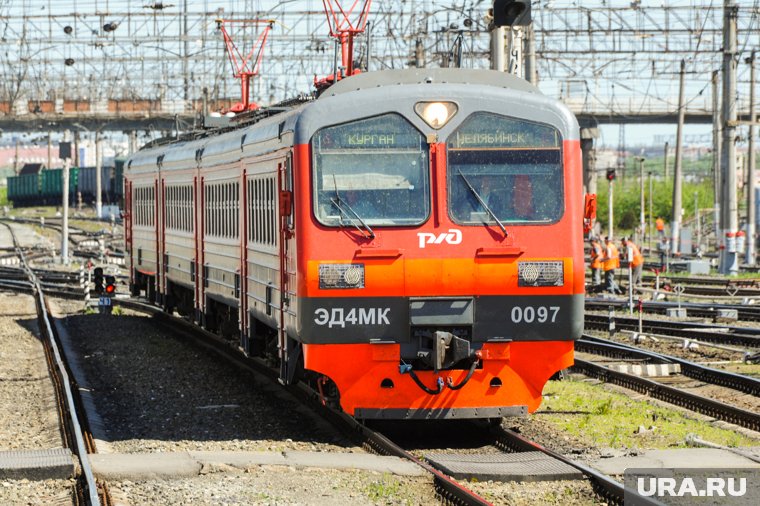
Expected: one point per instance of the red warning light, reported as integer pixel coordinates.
(110, 285)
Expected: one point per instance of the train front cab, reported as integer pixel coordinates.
(421, 295)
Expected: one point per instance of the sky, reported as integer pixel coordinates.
(597, 84)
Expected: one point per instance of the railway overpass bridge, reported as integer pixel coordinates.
(167, 115)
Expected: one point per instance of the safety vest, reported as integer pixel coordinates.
(612, 259)
(596, 255)
(638, 258)
(660, 224)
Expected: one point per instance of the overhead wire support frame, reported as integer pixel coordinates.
(344, 29)
(240, 64)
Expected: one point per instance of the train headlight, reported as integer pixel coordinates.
(540, 274)
(436, 114)
(333, 276)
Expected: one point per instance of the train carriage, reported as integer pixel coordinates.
(412, 240)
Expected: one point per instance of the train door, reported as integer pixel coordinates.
(153, 291)
(161, 255)
(289, 349)
(244, 318)
(127, 216)
(200, 231)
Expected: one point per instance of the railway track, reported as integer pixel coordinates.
(753, 283)
(741, 336)
(85, 244)
(75, 434)
(603, 347)
(671, 395)
(694, 309)
(606, 487)
(709, 286)
(449, 490)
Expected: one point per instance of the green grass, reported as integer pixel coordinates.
(608, 419)
(3, 196)
(384, 490)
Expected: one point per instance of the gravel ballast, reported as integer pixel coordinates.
(28, 413)
(156, 394)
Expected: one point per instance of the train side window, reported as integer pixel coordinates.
(236, 209)
(221, 218)
(212, 189)
(228, 210)
(217, 209)
(514, 166)
(217, 220)
(224, 207)
(209, 214)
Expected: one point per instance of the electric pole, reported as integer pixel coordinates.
(98, 177)
(642, 223)
(716, 160)
(65, 202)
(610, 207)
(651, 214)
(675, 223)
(531, 74)
(730, 218)
(498, 53)
(589, 158)
(751, 215)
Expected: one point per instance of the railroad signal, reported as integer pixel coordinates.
(98, 276)
(110, 285)
(610, 174)
(511, 12)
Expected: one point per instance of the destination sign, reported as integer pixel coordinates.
(367, 139)
(389, 131)
(485, 130)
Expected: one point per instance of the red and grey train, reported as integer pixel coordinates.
(411, 240)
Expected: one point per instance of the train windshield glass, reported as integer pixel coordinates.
(371, 172)
(514, 166)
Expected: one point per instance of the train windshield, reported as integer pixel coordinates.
(371, 172)
(504, 167)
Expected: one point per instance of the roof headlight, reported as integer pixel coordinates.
(540, 274)
(436, 114)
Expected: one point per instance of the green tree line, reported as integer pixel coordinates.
(627, 193)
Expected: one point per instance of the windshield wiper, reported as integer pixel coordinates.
(339, 203)
(483, 203)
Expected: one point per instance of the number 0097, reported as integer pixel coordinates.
(537, 314)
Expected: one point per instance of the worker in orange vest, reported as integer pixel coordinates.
(660, 225)
(597, 253)
(610, 262)
(636, 260)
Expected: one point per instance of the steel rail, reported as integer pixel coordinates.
(698, 309)
(693, 402)
(740, 336)
(713, 281)
(599, 346)
(75, 427)
(605, 486)
(445, 486)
